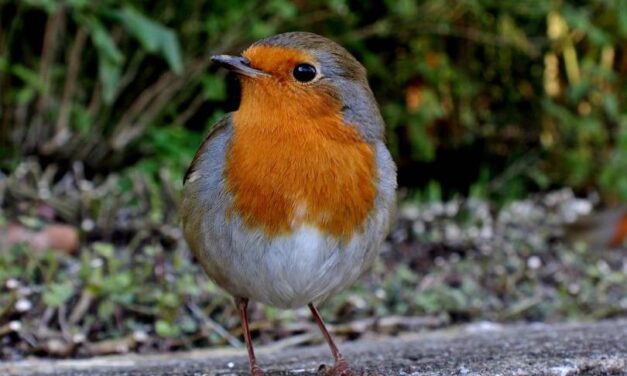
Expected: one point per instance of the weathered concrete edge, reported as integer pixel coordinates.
(565, 349)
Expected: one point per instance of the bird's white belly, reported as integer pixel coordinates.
(288, 271)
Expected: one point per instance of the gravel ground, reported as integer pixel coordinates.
(567, 349)
(127, 282)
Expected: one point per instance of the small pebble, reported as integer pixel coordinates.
(140, 336)
(574, 288)
(12, 283)
(604, 267)
(23, 305)
(88, 224)
(534, 262)
(78, 338)
(96, 263)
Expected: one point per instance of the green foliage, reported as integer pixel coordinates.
(57, 293)
(110, 58)
(100, 75)
(153, 36)
(584, 120)
(117, 282)
(519, 95)
(613, 176)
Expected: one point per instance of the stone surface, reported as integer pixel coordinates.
(566, 349)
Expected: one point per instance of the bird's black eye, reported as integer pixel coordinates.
(304, 72)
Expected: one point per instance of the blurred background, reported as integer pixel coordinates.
(507, 119)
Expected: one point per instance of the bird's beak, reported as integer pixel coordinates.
(239, 65)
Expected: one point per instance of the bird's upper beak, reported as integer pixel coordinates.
(239, 65)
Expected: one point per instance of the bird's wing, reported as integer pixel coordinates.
(221, 126)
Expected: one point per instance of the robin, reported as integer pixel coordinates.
(290, 197)
(602, 229)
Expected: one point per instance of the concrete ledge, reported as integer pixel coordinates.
(567, 349)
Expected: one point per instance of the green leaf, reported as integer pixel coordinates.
(422, 147)
(169, 299)
(188, 325)
(405, 8)
(260, 29)
(145, 30)
(110, 58)
(611, 106)
(29, 76)
(25, 95)
(103, 41)
(78, 4)
(171, 50)
(47, 5)
(214, 87)
(282, 8)
(109, 75)
(56, 294)
(106, 309)
(104, 249)
(580, 19)
(165, 329)
(118, 283)
(433, 191)
(153, 36)
(622, 18)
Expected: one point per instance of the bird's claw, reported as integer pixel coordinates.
(340, 369)
(256, 371)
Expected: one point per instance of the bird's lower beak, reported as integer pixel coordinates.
(239, 65)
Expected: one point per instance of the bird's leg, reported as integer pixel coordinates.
(341, 367)
(242, 305)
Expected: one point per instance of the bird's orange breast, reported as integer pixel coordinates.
(620, 232)
(290, 166)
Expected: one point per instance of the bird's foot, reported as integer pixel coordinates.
(340, 369)
(256, 371)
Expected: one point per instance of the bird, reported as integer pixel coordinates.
(289, 198)
(603, 228)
